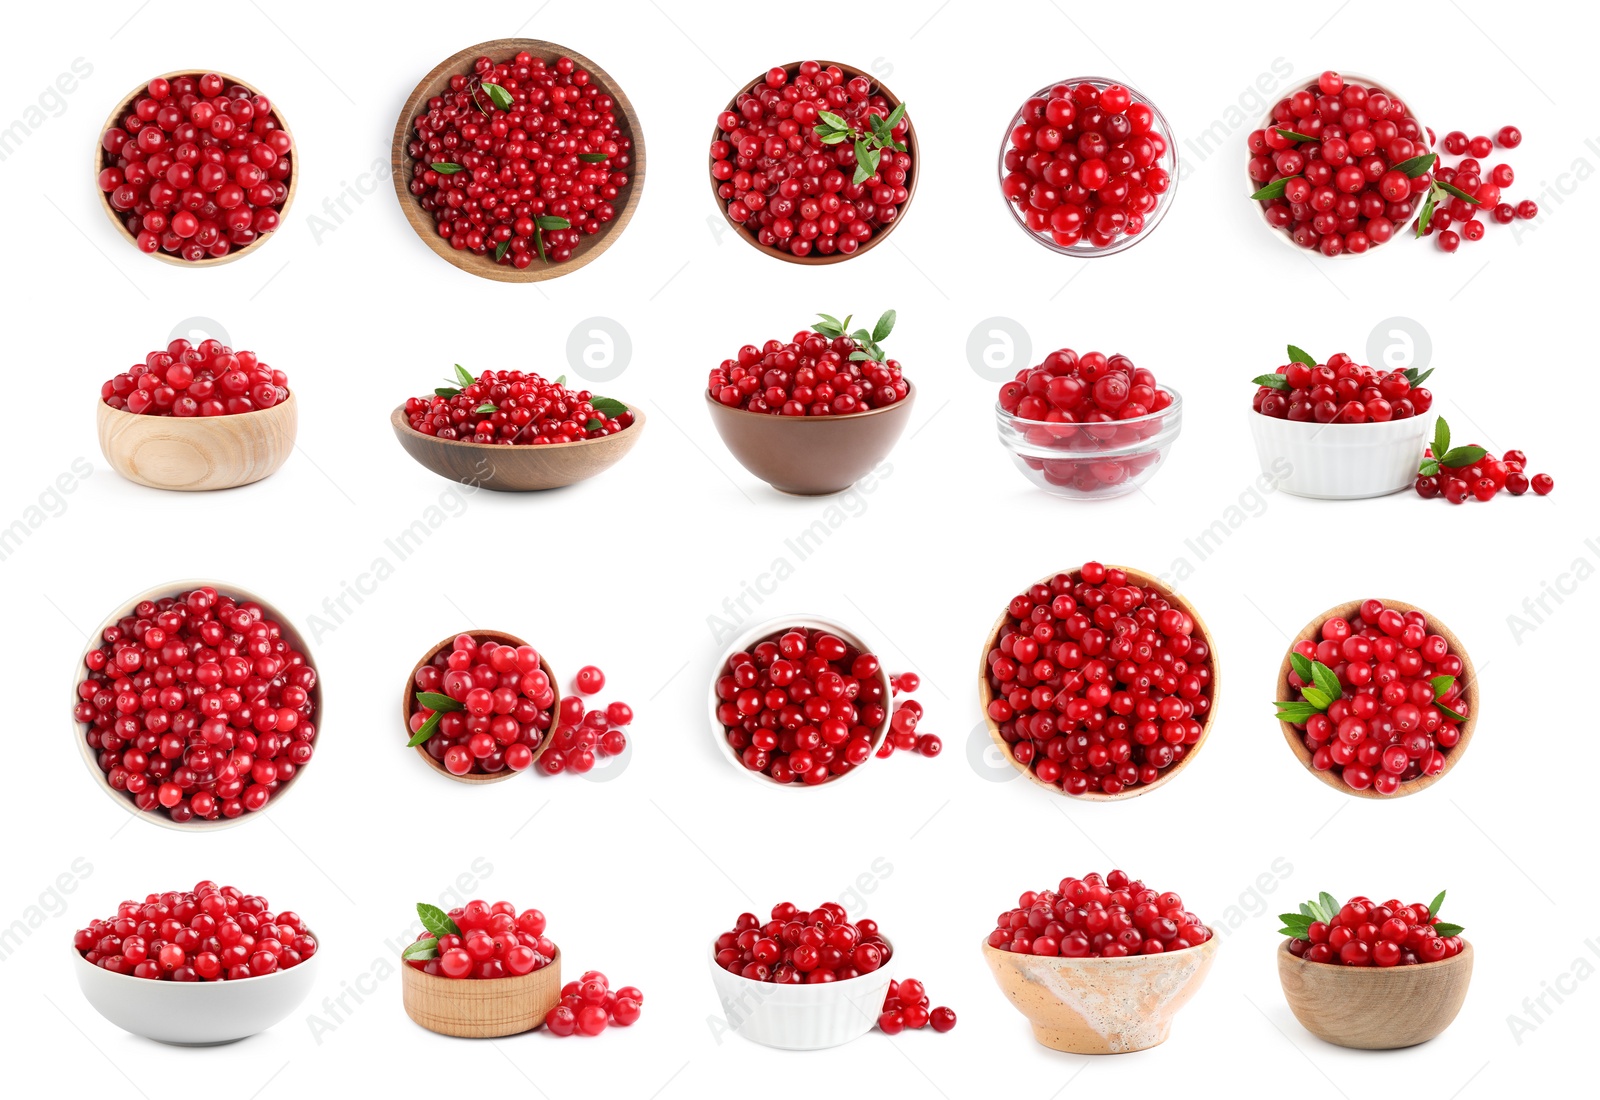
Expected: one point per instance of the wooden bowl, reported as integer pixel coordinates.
(103, 159)
(1166, 592)
(197, 453)
(1375, 1007)
(408, 705)
(1102, 1006)
(474, 1009)
(816, 259)
(811, 455)
(435, 83)
(1296, 739)
(516, 469)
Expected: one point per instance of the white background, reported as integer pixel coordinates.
(638, 874)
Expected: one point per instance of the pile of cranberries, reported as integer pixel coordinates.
(1330, 169)
(198, 167)
(520, 159)
(512, 407)
(583, 736)
(1401, 701)
(205, 379)
(1362, 932)
(198, 706)
(800, 947)
(482, 707)
(589, 1005)
(791, 189)
(209, 934)
(1483, 479)
(906, 1006)
(1459, 220)
(481, 941)
(811, 375)
(903, 722)
(1098, 916)
(1084, 164)
(1340, 391)
(1098, 685)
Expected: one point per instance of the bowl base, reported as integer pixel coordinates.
(1075, 1041)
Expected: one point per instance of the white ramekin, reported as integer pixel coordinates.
(801, 1017)
(1340, 461)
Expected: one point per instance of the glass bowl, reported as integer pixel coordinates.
(1091, 461)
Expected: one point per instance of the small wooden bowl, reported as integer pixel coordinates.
(103, 159)
(1375, 1007)
(1143, 580)
(474, 1009)
(197, 453)
(516, 469)
(485, 267)
(811, 455)
(408, 706)
(1296, 739)
(816, 259)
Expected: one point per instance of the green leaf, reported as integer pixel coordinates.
(1293, 135)
(1330, 906)
(445, 391)
(436, 920)
(831, 137)
(1326, 680)
(1302, 919)
(833, 121)
(591, 424)
(895, 116)
(1429, 467)
(1462, 456)
(444, 168)
(898, 146)
(1416, 166)
(1426, 216)
(1448, 929)
(1273, 190)
(1450, 714)
(1458, 193)
(561, 381)
(1302, 667)
(593, 158)
(830, 331)
(500, 250)
(884, 327)
(1296, 355)
(866, 161)
(1417, 379)
(1441, 437)
(486, 409)
(538, 240)
(859, 356)
(463, 376)
(880, 128)
(426, 730)
(608, 406)
(434, 700)
(1317, 697)
(1442, 684)
(499, 96)
(1295, 712)
(550, 221)
(1275, 381)
(1433, 908)
(421, 949)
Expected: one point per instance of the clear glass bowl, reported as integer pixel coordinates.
(1168, 161)
(1091, 461)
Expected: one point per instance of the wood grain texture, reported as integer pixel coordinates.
(197, 453)
(816, 259)
(469, 1008)
(811, 455)
(103, 159)
(1172, 596)
(1469, 676)
(435, 83)
(1375, 1007)
(516, 469)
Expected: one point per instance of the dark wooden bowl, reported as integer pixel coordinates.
(515, 469)
(811, 455)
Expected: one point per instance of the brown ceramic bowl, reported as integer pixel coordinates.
(1375, 1007)
(516, 469)
(103, 159)
(816, 259)
(1296, 740)
(485, 267)
(408, 705)
(811, 455)
(1143, 580)
(470, 1008)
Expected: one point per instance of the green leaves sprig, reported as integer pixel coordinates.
(1279, 382)
(868, 342)
(1321, 688)
(1325, 907)
(1437, 193)
(462, 380)
(832, 129)
(435, 921)
(439, 704)
(1443, 454)
(1441, 687)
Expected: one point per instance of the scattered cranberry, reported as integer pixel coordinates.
(511, 407)
(903, 722)
(1478, 473)
(208, 379)
(1098, 916)
(482, 707)
(584, 736)
(823, 372)
(209, 934)
(1340, 390)
(1445, 205)
(1509, 137)
(1362, 932)
(1527, 209)
(589, 1004)
(480, 941)
(1542, 484)
(906, 1006)
(797, 947)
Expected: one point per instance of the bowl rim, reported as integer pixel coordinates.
(398, 419)
(844, 983)
(95, 641)
(1167, 592)
(815, 259)
(484, 267)
(1176, 408)
(1469, 673)
(1373, 426)
(904, 402)
(483, 987)
(1453, 960)
(108, 411)
(125, 104)
(203, 984)
(1210, 946)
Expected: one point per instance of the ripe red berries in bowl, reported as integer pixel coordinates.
(1088, 167)
(199, 703)
(1101, 964)
(1087, 427)
(481, 970)
(196, 168)
(479, 706)
(196, 967)
(814, 162)
(1377, 698)
(1099, 683)
(518, 160)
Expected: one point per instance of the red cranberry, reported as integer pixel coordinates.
(511, 407)
(821, 372)
(1098, 916)
(1363, 932)
(1312, 391)
(482, 707)
(907, 1006)
(1481, 477)
(210, 934)
(480, 941)
(208, 379)
(797, 946)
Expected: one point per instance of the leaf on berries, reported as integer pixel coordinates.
(1301, 666)
(593, 158)
(1416, 166)
(1330, 906)
(1296, 355)
(1442, 684)
(1273, 190)
(1441, 437)
(1450, 714)
(445, 168)
(562, 380)
(464, 376)
(1427, 211)
(1273, 381)
(426, 730)
(421, 949)
(591, 424)
(1462, 456)
(538, 241)
(1297, 925)
(1293, 135)
(833, 121)
(829, 326)
(486, 409)
(866, 161)
(1448, 929)
(436, 920)
(1296, 712)
(1327, 680)
(829, 136)
(499, 96)
(500, 250)
(1416, 378)
(445, 391)
(1429, 467)
(434, 700)
(550, 221)
(895, 116)
(1433, 907)
(1458, 193)
(884, 327)
(1317, 697)
(608, 406)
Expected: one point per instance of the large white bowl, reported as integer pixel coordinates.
(1341, 461)
(195, 1014)
(801, 1017)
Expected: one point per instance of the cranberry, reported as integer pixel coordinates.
(1098, 916)
(481, 706)
(822, 372)
(1300, 391)
(210, 933)
(907, 1006)
(1542, 484)
(480, 941)
(208, 379)
(798, 946)
(1362, 932)
(514, 408)
(1509, 137)
(1476, 472)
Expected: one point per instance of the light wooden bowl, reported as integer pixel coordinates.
(1375, 1007)
(468, 1008)
(811, 455)
(197, 453)
(103, 159)
(815, 259)
(1165, 591)
(516, 468)
(485, 267)
(1296, 739)
(408, 705)
(1102, 1006)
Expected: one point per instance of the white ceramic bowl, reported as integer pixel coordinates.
(1341, 461)
(751, 637)
(195, 1013)
(801, 1017)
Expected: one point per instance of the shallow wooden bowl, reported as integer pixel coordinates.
(103, 159)
(436, 83)
(197, 453)
(816, 259)
(1375, 1007)
(408, 705)
(811, 455)
(471, 1009)
(516, 469)
(1143, 580)
(1296, 739)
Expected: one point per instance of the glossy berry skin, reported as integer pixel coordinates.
(208, 379)
(485, 941)
(510, 407)
(590, 680)
(1369, 933)
(798, 946)
(1098, 916)
(505, 706)
(906, 1007)
(809, 375)
(1483, 480)
(1362, 394)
